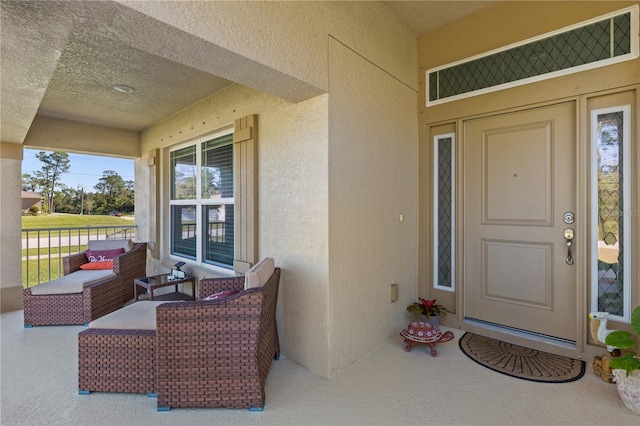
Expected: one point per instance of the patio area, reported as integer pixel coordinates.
(389, 386)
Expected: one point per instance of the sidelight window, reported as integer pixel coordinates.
(444, 212)
(610, 211)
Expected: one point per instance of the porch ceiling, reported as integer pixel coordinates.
(62, 59)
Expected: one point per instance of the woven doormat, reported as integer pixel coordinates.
(520, 362)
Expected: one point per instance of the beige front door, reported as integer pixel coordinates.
(519, 180)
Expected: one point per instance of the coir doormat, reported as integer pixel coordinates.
(520, 362)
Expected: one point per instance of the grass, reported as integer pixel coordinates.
(43, 270)
(59, 220)
(45, 251)
(53, 269)
(70, 221)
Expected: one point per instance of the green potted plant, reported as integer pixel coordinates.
(626, 368)
(428, 308)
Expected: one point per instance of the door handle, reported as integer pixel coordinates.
(568, 235)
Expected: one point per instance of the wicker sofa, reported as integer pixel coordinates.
(204, 353)
(81, 296)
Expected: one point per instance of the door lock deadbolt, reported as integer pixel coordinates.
(568, 217)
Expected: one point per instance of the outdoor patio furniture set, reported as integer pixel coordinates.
(212, 352)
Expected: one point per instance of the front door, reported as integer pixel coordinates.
(519, 181)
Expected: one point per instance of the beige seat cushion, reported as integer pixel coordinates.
(102, 245)
(72, 283)
(259, 274)
(137, 316)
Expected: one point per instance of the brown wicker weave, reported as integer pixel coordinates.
(213, 353)
(217, 353)
(95, 300)
(116, 361)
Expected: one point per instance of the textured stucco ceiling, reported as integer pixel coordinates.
(61, 60)
(91, 65)
(426, 15)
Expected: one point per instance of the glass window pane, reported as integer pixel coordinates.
(183, 174)
(218, 234)
(588, 44)
(217, 168)
(444, 212)
(183, 231)
(610, 174)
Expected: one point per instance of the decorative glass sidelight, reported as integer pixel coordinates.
(444, 212)
(610, 212)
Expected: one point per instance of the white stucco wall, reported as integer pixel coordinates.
(293, 36)
(293, 199)
(57, 134)
(10, 231)
(372, 181)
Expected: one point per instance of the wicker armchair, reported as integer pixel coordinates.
(129, 266)
(205, 353)
(97, 299)
(240, 336)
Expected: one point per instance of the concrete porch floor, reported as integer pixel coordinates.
(389, 386)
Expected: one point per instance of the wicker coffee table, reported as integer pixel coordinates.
(163, 280)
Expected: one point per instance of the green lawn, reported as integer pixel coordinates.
(56, 271)
(59, 220)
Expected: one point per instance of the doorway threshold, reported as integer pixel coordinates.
(521, 334)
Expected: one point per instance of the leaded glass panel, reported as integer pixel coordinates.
(598, 41)
(610, 168)
(444, 206)
(610, 212)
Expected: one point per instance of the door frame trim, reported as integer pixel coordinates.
(585, 348)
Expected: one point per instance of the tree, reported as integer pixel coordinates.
(48, 178)
(64, 201)
(30, 183)
(114, 193)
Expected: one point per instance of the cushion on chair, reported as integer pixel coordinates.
(97, 265)
(221, 295)
(72, 283)
(103, 255)
(137, 316)
(110, 245)
(259, 274)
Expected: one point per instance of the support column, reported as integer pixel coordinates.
(10, 227)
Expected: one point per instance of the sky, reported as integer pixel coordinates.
(85, 170)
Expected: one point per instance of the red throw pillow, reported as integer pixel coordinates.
(97, 265)
(221, 295)
(103, 256)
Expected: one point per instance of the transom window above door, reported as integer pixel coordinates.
(601, 41)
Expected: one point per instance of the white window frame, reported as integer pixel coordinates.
(436, 206)
(198, 201)
(626, 216)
